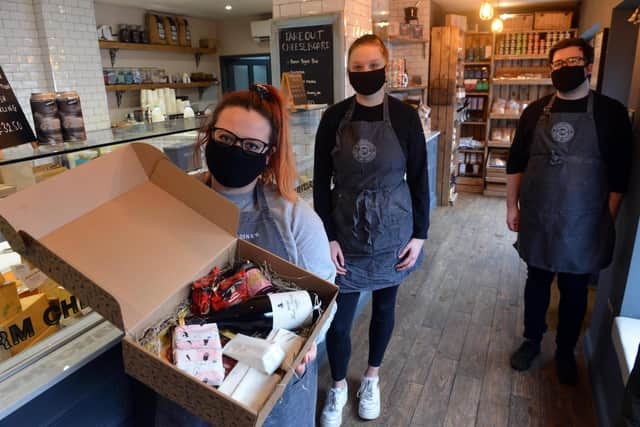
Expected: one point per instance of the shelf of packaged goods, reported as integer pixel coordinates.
(470, 123)
(477, 93)
(539, 82)
(499, 144)
(570, 30)
(120, 89)
(124, 88)
(505, 116)
(477, 63)
(518, 57)
(496, 179)
(406, 40)
(407, 89)
(114, 47)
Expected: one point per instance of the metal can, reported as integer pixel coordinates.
(45, 118)
(70, 112)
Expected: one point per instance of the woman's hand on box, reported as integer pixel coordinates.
(309, 357)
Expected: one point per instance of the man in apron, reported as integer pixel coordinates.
(563, 191)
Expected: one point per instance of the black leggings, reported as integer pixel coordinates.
(382, 320)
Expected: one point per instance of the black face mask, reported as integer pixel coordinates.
(231, 167)
(566, 79)
(367, 82)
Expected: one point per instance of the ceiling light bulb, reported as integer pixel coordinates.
(497, 25)
(486, 10)
(228, 7)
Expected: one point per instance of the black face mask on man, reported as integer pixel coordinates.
(231, 167)
(566, 79)
(368, 82)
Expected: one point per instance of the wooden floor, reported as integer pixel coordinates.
(457, 320)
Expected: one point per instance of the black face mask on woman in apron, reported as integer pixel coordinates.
(565, 223)
(371, 202)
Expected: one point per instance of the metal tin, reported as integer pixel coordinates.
(70, 112)
(45, 118)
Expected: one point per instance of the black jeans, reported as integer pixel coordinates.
(383, 302)
(573, 306)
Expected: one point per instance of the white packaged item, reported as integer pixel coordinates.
(260, 354)
(289, 342)
(249, 386)
(156, 115)
(188, 112)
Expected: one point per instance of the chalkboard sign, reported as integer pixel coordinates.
(309, 50)
(14, 127)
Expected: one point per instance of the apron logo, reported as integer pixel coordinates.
(364, 151)
(562, 132)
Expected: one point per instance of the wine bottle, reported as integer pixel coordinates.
(283, 310)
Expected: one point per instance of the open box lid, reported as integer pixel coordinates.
(124, 232)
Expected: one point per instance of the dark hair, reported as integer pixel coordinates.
(585, 47)
(370, 39)
(267, 101)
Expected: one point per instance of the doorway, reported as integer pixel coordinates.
(239, 72)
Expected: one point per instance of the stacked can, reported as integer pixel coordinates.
(70, 112)
(45, 118)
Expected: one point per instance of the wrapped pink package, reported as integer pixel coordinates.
(197, 351)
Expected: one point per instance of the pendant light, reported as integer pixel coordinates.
(486, 10)
(497, 25)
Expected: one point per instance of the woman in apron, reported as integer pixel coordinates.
(371, 147)
(251, 163)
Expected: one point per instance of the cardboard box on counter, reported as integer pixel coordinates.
(127, 233)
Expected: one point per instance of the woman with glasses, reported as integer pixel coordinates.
(250, 161)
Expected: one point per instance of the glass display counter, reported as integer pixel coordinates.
(45, 332)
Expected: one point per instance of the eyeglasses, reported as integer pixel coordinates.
(250, 146)
(569, 62)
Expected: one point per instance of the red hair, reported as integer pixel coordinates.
(281, 168)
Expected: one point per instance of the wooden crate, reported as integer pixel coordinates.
(553, 20)
(518, 22)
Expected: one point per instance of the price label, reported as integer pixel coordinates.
(14, 127)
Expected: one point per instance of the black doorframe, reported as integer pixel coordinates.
(226, 62)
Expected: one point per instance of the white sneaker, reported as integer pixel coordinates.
(369, 395)
(332, 411)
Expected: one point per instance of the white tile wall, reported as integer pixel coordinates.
(67, 29)
(21, 56)
(50, 45)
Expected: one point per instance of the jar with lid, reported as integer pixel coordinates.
(124, 34)
(135, 33)
(128, 76)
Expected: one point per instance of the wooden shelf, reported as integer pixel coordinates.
(541, 82)
(473, 123)
(407, 89)
(472, 150)
(125, 88)
(499, 144)
(405, 40)
(114, 47)
(105, 44)
(505, 116)
(471, 63)
(481, 93)
(517, 57)
(496, 180)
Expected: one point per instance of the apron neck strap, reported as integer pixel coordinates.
(349, 113)
(590, 102)
(385, 109)
(260, 198)
(547, 108)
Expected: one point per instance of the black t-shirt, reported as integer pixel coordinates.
(612, 125)
(407, 126)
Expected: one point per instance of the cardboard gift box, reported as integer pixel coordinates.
(127, 233)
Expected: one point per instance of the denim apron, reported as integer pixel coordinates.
(371, 202)
(297, 405)
(565, 223)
